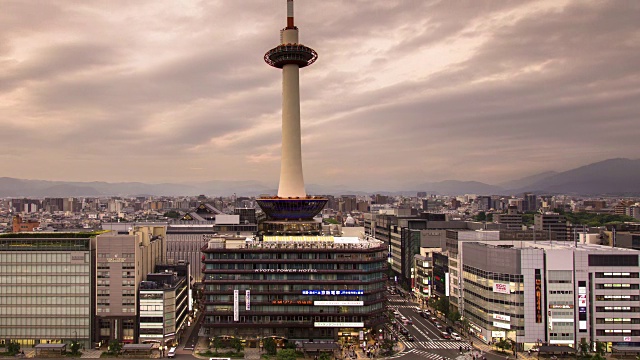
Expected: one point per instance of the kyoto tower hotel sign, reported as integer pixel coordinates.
(292, 201)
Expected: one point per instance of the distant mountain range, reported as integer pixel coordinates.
(609, 177)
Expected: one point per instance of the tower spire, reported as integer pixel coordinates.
(290, 14)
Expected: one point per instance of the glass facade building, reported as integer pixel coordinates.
(45, 296)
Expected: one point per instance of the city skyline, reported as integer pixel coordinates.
(403, 92)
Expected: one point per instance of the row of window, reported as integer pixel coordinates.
(45, 321)
(109, 255)
(38, 257)
(617, 297)
(492, 275)
(221, 319)
(52, 289)
(617, 321)
(298, 309)
(614, 332)
(305, 277)
(44, 311)
(633, 275)
(44, 279)
(41, 269)
(617, 309)
(617, 286)
(45, 300)
(561, 292)
(291, 256)
(42, 332)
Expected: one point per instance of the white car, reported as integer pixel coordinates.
(455, 336)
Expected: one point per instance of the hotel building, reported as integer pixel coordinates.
(294, 287)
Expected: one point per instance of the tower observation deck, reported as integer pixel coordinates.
(292, 201)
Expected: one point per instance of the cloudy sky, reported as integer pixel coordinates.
(404, 91)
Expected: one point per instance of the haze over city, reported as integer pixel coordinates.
(403, 91)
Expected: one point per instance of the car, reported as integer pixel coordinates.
(433, 319)
(422, 314)
(410, 338)
(445, 335)
(427, 313)
(396, 313)
(535, 349)
(449, 329)
(403, 318)
(440, 327)
(456, 336)
(404, 331)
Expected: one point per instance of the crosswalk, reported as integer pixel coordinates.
(453, 345)
(424, 354)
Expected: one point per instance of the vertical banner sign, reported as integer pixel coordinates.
(538, 289)
(247, 299)
(582, 306)
(236, 310)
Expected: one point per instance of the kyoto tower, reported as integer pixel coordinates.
(292, 201)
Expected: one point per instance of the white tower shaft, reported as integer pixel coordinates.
(291, 178)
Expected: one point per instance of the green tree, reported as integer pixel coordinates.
(454, 316)
(74, 347)
(597, 357)
(13, 348)
(601, 348)
(465, 325)
(270, 346)
(217, 344)
(442, 305)
(503, 345)
(324, 356)
(286, 354)
(172, 214)
(482, 216)
(115, 347)
(236, 344)
(583, 348)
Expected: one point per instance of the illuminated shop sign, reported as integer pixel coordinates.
(332, 292)
(338, 303)
(560, 306)
(498, 334)
(291, 302)
(339, 324)
(115, 260)
(247, 299)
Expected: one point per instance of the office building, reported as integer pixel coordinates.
(165, 304)
(123, 260)
(47, 286)
(552, 223)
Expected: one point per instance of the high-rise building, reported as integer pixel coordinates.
(552, 223)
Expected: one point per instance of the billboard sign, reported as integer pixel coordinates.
(501, 288)
(236, 310)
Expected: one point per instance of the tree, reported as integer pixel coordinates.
(482, 216)
(324, 356)
(236, 344)
(74, 347)
(217, 344)
(503, 345)
(583, 348)
(600, 348)
(270, 346)
(442, 305)
(287, 354)
(13, 348)
(465, 325)
(454, 316)
(115, 347)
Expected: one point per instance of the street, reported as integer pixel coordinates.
(428, 341)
